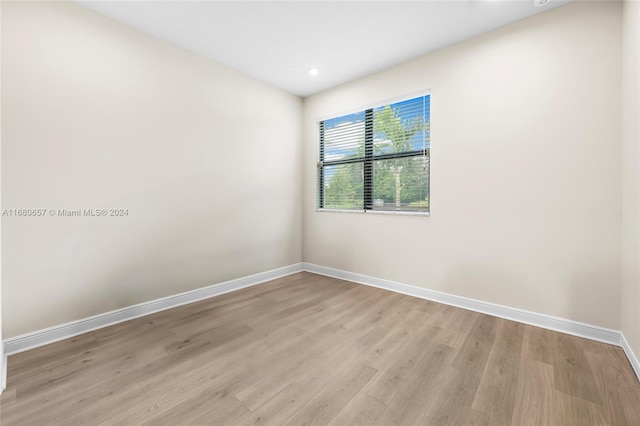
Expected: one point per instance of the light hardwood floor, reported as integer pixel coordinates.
(307, 349)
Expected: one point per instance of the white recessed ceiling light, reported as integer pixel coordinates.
(313, 71)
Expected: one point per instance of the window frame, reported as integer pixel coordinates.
(368, 161)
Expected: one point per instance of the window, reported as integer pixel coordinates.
(377, 159)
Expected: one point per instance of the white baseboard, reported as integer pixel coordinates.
(53, 334)
(38, 338)
(633, 359)
(539, 320)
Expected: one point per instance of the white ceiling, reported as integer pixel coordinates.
(277, 42)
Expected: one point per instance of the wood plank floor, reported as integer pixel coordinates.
(307, 349)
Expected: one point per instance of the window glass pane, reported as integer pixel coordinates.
(401, 184)
(344, 137)
(401, 127)
(343, 186)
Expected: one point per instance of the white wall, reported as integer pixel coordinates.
(631, 174)
(98, 115)
(525, 195)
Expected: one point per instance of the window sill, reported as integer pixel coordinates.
(391, 213)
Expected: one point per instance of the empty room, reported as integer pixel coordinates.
(320, 212)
